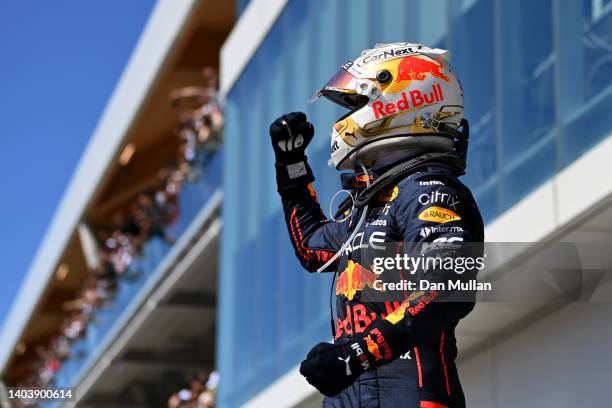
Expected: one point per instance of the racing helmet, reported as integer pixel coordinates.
(402, 99)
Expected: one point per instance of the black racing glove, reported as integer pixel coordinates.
(290, 134)
(331, 368)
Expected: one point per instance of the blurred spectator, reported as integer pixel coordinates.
(201, 392)
(150, 215)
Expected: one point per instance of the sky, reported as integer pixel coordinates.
(59, 63)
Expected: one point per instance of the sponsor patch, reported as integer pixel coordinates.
(431, 183)
(296, 170)
(427, 231)
(312, 191)
(385, 55)
(413, 99)
(363, 359)
(388, 195)
(438, 214)
(437, 197)
(373, 348)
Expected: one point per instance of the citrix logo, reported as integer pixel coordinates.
(438, 197)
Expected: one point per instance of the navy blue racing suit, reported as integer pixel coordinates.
(427, 205)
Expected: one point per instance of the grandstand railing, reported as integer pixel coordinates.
(193, 197)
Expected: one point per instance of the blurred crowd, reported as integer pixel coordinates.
(200, 121)
(200, 393)
(150, 215)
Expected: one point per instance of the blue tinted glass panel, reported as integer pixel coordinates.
(526, 66)
(426, 22)
(394, 13)
(585, 74)
(472, 23)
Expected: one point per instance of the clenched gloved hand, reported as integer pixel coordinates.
(290, 134)
(332, 367)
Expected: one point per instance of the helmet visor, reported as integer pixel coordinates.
(342, 79)
(342, 90)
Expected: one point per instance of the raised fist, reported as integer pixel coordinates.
(290, 134)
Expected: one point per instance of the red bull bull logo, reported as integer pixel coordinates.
(379, 343)
(412, 68)
(373, 347)
(417, 68)
(354, 279)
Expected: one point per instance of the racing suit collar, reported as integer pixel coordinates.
(357, 181)
(384, 177)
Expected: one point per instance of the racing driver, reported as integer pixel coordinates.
(403, 142)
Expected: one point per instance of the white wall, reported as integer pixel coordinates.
(563, 360)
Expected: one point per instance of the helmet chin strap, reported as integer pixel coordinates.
(362, 218)
(395, 157)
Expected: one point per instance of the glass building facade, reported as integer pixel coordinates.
(537, 81)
